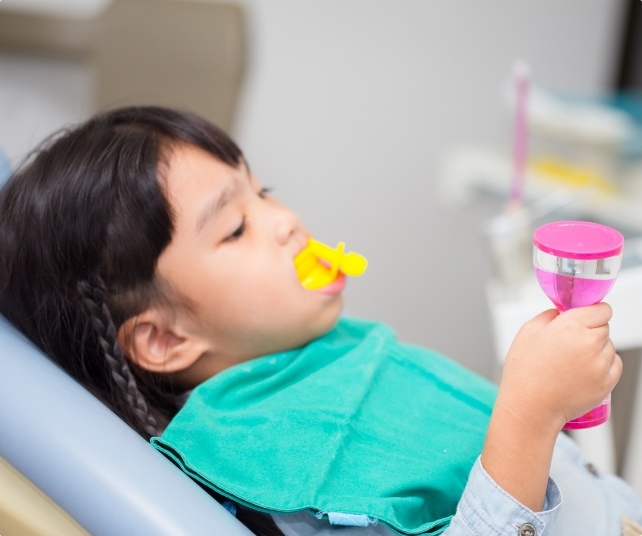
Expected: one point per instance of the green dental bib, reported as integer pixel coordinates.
(353, 423)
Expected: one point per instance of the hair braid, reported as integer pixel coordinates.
(106, 335)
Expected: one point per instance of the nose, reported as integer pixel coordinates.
(287, 224)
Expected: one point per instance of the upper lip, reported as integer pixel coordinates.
(304, 244)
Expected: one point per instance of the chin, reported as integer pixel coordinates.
(329, 319)
(316, 328)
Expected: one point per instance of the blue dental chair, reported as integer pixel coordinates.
(88, 461)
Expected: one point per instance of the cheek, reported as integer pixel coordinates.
(264, 296)
(255, 289)
(243, 288)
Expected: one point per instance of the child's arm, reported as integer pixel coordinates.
(558, 368)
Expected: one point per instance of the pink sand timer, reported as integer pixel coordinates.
(576, 263)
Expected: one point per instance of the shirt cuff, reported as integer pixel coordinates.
(486, 509)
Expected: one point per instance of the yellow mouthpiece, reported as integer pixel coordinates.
(319, 265)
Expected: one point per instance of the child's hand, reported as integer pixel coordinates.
(560, 366)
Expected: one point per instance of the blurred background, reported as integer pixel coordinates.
(378, 120)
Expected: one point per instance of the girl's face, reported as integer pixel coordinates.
(231, 260)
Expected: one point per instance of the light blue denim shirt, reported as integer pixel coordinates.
(486, 509)
(579, 500)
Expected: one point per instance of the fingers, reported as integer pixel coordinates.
(600, 335)
(542, 319)
(616, 369)
(593, 316)
(614, 364)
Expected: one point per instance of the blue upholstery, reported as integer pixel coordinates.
(5, 168)
(87, 460)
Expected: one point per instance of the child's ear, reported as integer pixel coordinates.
(156, 342)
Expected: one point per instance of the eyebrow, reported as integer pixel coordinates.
(215, 205)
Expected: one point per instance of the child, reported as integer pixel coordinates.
(141, 254)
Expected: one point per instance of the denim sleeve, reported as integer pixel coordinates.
(485, 509)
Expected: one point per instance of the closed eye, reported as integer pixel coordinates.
(238, 233)
(240, 230)
(263, 192)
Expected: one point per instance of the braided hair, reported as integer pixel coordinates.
(93, 297)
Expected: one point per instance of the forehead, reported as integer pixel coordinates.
(193, 176)
(188, 166)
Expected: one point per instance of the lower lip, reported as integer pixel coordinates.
(333, 288)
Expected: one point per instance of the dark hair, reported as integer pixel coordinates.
(82, 224)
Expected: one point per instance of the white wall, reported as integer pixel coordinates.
(75, 9)
(38, 96)
(350, 105)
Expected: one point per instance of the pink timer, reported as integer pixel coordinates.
(576, 263)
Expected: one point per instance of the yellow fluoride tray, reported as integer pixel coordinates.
(318, 265)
